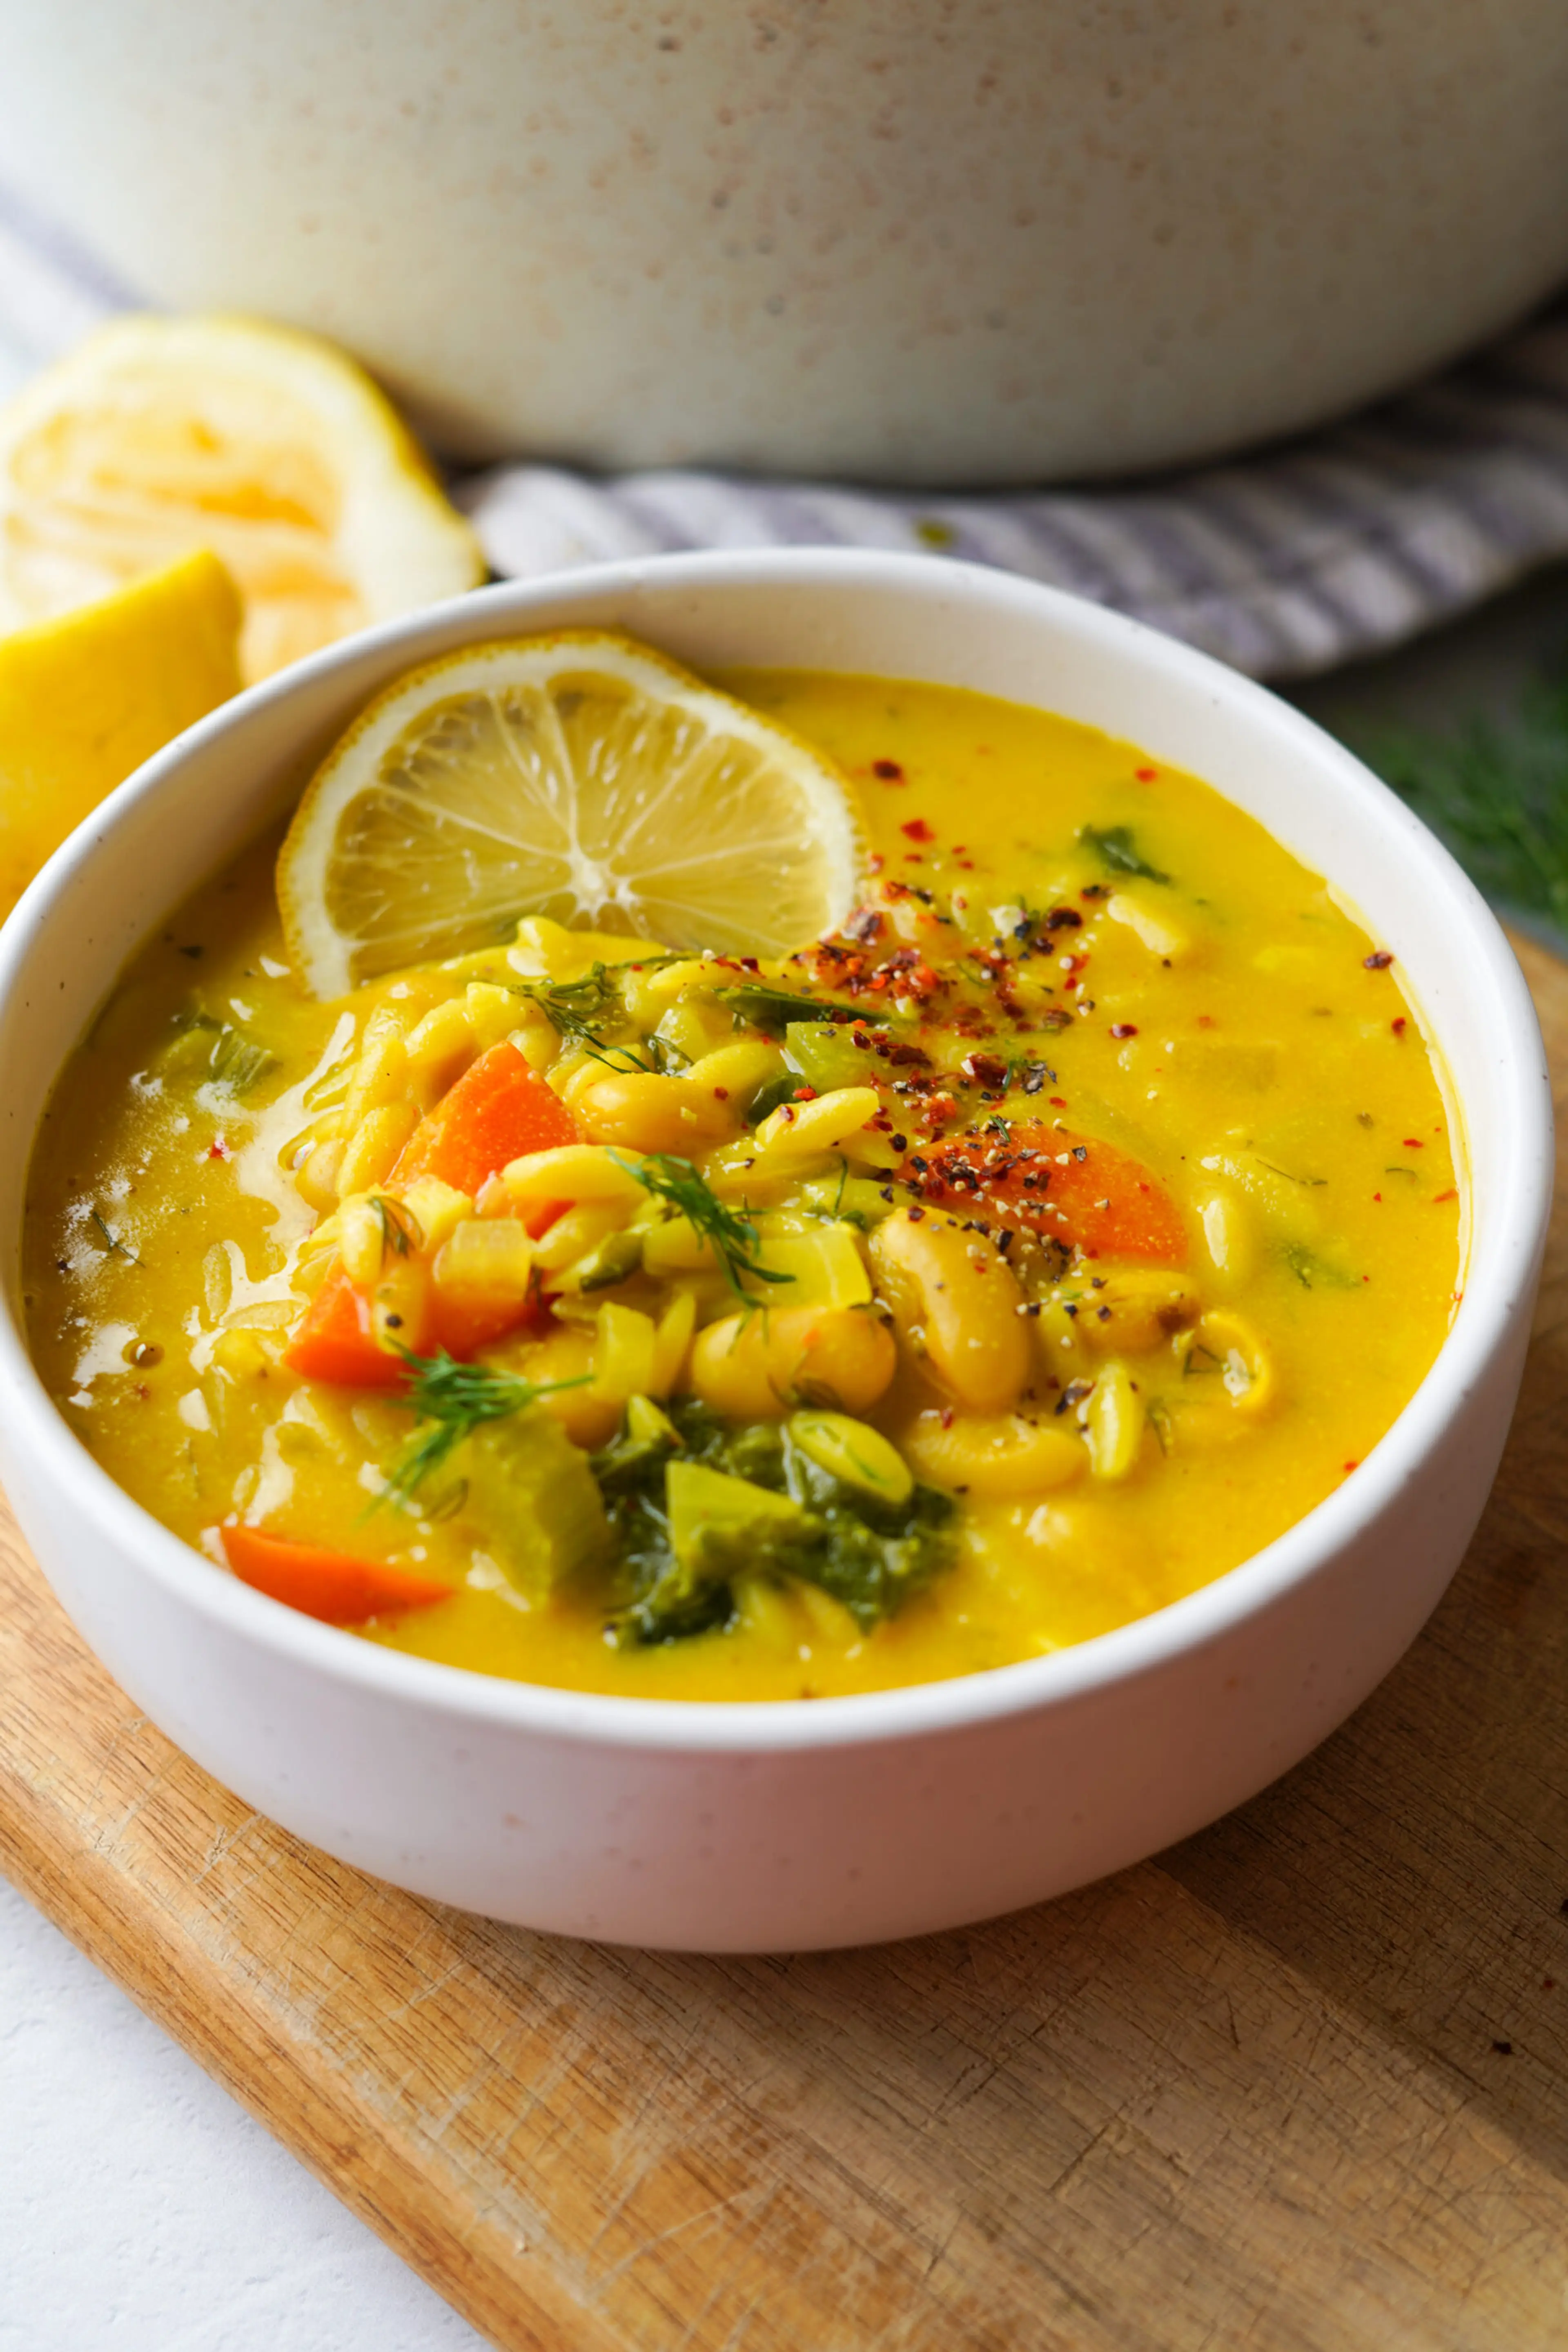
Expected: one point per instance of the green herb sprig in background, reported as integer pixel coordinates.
(1496, 792)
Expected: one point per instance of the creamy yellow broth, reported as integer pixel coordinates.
(1231, 1026)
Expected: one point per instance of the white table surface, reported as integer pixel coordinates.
(141, 2208)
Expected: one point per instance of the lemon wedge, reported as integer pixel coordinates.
(158, 436)
(86, 698)
(579, 776)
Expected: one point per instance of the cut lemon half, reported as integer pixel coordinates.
(157, 435)
(579, 776)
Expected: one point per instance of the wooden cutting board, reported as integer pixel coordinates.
(1300, 2085)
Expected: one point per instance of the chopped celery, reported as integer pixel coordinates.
(825, 1055)
(534, 1502)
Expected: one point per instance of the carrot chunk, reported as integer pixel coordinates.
(465, 1326)
(497, 1110)
(338, 1587)
(1063, 1188)
(334, 1340)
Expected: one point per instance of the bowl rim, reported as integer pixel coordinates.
(1059, 1679)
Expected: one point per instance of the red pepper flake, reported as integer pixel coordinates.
(804, 1094)
(218, 1151)
(1123, 1029)
(876, 863)
(912, 857)
(1205, 1020)
(1377, 1196)
(1378, 961)
(917, 830)
(887, 772)
(1059, 1102)
(1350, 1467)
(1145, 775)
(721, 1094)
(1413, 1143)
(1399, 1027)
(1439, 1198)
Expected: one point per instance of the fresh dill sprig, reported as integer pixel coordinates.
(454, 1400)
(575, 1009)
(112, 1242)
(732, 1235)
(1497, 793)
(394, 1225)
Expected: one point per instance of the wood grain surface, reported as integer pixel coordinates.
(1300, 2085)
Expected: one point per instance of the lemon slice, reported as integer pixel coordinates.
(579, 776)
(159, 435)
(86, 698)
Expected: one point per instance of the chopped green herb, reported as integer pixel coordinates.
(1315, 1273)
(869, 1554)
(575, 1008)
(394, 1223)
(112, 1242)
(757, 1006)
(732, 1235)
(454, 1399)
(781, 1089)
(237, 1063)
(1288, 1173)
(1118, 852)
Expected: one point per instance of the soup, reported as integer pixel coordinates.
(1009, 1262)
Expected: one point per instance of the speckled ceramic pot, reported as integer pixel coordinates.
(918, 240)
(754, 1826)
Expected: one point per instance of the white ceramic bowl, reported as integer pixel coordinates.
(920, 240)
(744, 1827)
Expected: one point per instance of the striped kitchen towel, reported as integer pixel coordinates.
(1290, 561)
